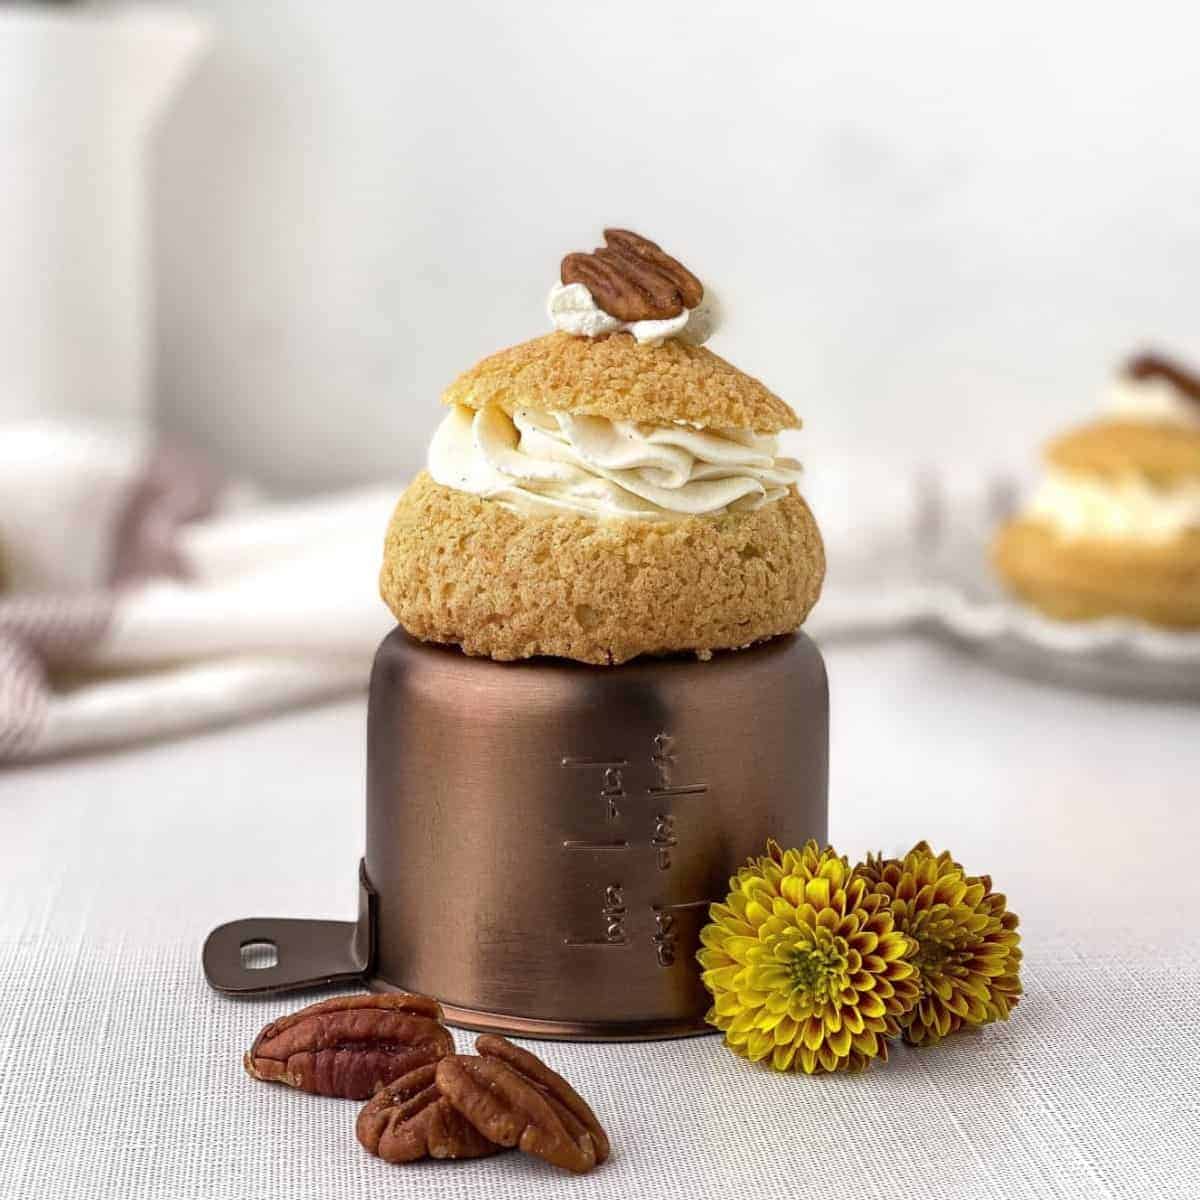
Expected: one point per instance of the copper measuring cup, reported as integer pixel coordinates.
(544, 838)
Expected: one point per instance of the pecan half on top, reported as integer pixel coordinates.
(411, 1119)
(351, 1045)
(633, 279)
(514, 1099)
(1156, 366)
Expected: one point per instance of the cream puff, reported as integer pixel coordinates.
(1114, 528)
(608, 490)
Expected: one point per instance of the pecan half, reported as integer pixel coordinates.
(514, 1099)
(1156, 366)
(411, 1119)
(632, 245)
(351, 1045)
(633, 279)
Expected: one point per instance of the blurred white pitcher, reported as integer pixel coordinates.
(79, 93)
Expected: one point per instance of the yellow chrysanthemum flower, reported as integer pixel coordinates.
(806, 969)
(968, 955)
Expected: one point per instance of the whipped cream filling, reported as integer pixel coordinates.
(1128, 507)
(1151, 400)
(538, 463)
(572, 310)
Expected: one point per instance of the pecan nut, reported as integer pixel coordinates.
(631, 245)
(514, 1099)
(633, 279)
(351, 1045)
(1155, 366)
(409, 1119)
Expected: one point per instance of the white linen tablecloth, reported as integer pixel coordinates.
(120, 1072)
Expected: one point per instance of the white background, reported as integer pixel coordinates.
(934, 226)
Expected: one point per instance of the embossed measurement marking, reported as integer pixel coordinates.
(666, 936)
(663, 757)
(613, 912)
(664, 839)
(612, 787)
(663, 761)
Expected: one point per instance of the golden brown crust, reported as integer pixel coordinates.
(618, 378)
(464, 570)
(1163, 452)
(1079, 580)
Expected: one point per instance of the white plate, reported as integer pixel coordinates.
(908, 551)
(956, 597)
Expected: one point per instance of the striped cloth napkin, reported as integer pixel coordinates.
(139, 597)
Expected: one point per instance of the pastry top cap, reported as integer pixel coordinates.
(618, 378)
(1151, 427)
(1161, 452)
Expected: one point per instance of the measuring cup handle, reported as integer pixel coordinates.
(308, 954)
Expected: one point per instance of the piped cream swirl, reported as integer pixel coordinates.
(1129, 507)
(546, 463)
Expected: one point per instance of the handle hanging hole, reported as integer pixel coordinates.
(259, 955)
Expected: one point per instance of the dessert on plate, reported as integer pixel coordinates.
(608, 490)
(1114, 528)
